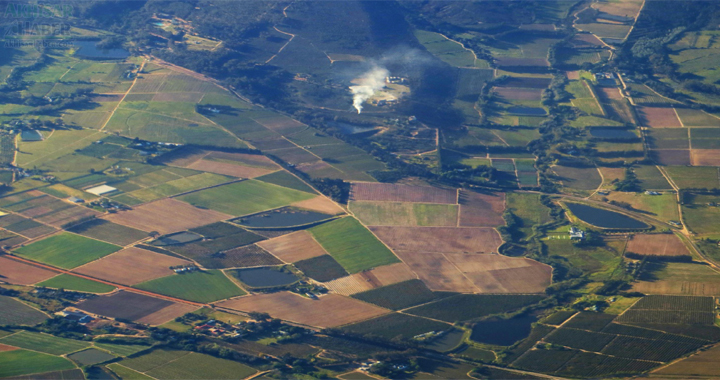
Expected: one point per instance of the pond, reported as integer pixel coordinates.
(612, 133)
(503, 332)
(447, 341)
(31, 135)
(89, 49)
(529, 111)
(282, 218)
(604, 218)
(265, 277)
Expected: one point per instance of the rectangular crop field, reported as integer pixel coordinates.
(399, 296)
(14, 312)
(246, 197)
(127, 305)
(392, 325)
(405, 213)
(678, 278)
(321, 268)
(131, 266)
(352, 245)
(440, 239)
(465, 307)
(386, 192)
(66, 250)
(46, 343)
(69, 282)
(328, 311)
(168, 365)
(166, 216)
(656, 117)
(110, 232)
(23, 362)
(481, 210)
(657, 245)
(15, 272)
(200, 286)
(293, 247)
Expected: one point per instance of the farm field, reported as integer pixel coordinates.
(45, 343)
(691, 279)
(657, 245)
(69, 282)
(694, 178)
(24, 362)
(131, 266)
(352, 245)
(135, 307)
(656, 117)
(481, 210)
(15, 272)
(399, 296)
(166, 216)
(578, 179)
(110, 232)
(66, 250)
(405, 214)
(392, 325)
(386, 192)
(90, 357)
(663, 206)
(165, 364)
(449, 51)
(465, 307)
(328, 311)
(200, 286)
(699, 365)
(321, 268)
(14, 312)
(293, 247)
(440, 239)
(246, 197)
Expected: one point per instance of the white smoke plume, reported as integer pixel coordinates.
(370, 82)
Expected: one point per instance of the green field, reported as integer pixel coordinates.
(66, 250)
(246, 197)
(121, 349)
(70, 282)
(48, 344)
(393, 325)
(201, 286)
(530, 210)
(178, 186)
(405, 214)
(694, 177)
(110, 232)
(14, 312)
(663, 206)
(399, 296)
(600, 263)
(352, 245)
(285, 179)
(450, 52)
(90, 357)
(23, 362)
(126, 373)
(163, 364)
(60, 143)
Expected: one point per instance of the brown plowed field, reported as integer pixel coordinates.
(388, 192)
(131, 266)
(585, 40)
(348, 285)
(705, 157)
(610, 93)
(331, 310)
(687, 288)
(254, 160)
(124, 304)
(481, 210)
(67, 216)
(658, 117)
(15, 272)
(5, 347)
(657, 245)
(515, 93)
(437, 272)
(672, 157)
(167, 314)
(293, 247)
(166, 216)
(320, 204)
(502, 274)
(226, 168)
(440, 239)
(393, 273)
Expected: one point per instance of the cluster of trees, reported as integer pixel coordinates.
(630, 183)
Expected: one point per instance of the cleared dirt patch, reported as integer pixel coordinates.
(167, 314)
(393, 273)
(657, 245)
(440, 239)
(5, 347)
(481, 210)
(437, 272)
(502, 274)
(705, 157)
(368, 191)
(611, 93)
(131, 266)
(658, 117)
(319, 204)
(166, 216)
(293, 247)
(355, 283)
(226, 168)
(328, 311)
(15, 272)
(515, 93)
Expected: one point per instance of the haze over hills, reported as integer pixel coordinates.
(359, 189)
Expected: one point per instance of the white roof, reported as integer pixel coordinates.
(100, 190)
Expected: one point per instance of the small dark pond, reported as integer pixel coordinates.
(530, 111)
(503, 332)
(265, 277)
(447, 341)
(89, 49)
(282, 217)
(612, 133)
(178, 238)
(31, 135)
(604, 218)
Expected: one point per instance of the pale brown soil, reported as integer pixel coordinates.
(657, 117)
(331, 310)
(502, 274)
(14, 272)
(687, 288)
(440, 239)
(481, 210)
(167, 314)
(437, 272)
(393, 273)
(705, 157)
(166, 216)
(293, 247)
(5, 347)
(703, 364)
(226, 168)
(514, 93)
(369, 191)
(131, 266)
(657, 245)
(320, 204)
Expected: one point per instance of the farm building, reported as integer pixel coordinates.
(100, 190)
